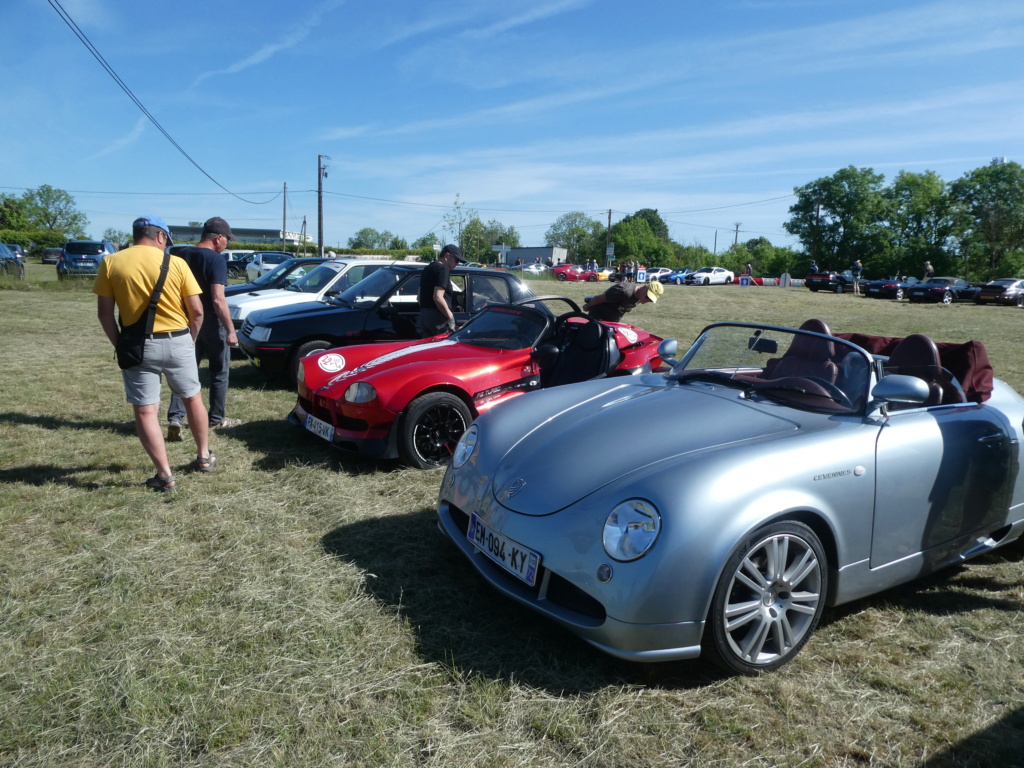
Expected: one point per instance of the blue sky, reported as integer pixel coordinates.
(710, 112)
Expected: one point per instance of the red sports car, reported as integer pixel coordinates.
(414, 399)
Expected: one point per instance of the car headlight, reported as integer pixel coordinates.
(260, 333)
(360, 392)
(465, 447)
(631, 529)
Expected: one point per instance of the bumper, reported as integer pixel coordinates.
(567, 605)
(270, 359)
(373, 443)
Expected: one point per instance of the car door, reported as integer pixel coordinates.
(396, 313)
(484, 290)
(943, 473)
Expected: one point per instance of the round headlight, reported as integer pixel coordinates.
(465, 447)
(360, 392)
(631, 529)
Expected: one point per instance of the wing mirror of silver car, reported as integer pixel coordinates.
(898, 388)
(668, 349)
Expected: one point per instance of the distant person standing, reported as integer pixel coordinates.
(856, 270)
(929, 271)
(127, 280)
(437, 294)
(217, 334)
(814, 267)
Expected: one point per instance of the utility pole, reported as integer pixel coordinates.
(736, 238)
(284, 219)
(608, 241)
(321, 174)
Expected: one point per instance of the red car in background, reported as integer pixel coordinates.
(576, 274)
(414, 399)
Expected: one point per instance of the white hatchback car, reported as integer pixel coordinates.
(264, 261)
(321, 283)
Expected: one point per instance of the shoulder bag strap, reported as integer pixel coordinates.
(157, 290)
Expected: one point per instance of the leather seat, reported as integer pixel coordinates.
(808, 356)
(587, 351)
(918, 356)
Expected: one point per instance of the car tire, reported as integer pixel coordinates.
(765, 609)
(309, 348)
(561, 277)
(947, 297)
(592, 279)
(1019, 302)
(728, 281)
(900, 294)
(707, 281)
(432, 425)
(678, 281)
(839, 288)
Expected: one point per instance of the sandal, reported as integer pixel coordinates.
(162, 484)
(206, 463)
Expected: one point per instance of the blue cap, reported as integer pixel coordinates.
(154, 221)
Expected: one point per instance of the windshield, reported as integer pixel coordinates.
(317, 279)
(84, 249)
(804, 370)
(368, 291)
(503, 328)
(293, 270)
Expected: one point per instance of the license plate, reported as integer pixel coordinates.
(873, 290)
(320, 427)
(521, 562)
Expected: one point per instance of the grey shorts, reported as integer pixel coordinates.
(174, 358)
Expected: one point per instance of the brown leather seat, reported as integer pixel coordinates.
(918, 356)
(808, 356)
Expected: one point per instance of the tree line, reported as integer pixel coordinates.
(972, 227)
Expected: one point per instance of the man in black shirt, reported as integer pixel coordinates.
(436, 294)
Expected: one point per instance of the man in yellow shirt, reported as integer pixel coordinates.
(126, 280)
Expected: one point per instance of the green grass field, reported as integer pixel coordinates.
(297, 608)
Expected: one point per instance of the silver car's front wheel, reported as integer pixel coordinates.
(769, 599)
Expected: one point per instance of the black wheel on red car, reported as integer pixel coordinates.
(318, 345)
(769, 599)
(431, 427)
(561, 277)
(592, 278)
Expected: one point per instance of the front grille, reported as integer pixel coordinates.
(247, 327)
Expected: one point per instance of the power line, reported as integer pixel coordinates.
(66, 17)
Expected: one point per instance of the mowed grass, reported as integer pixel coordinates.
(298, 608)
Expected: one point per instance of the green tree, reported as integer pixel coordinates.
(54, 210)
(578, 234)
(658, 226)
(117, 236)
(367, 237)
(634, 241)
(990, 208)
(395, 243)
(427, 241)
(922, 224)
(456, 220)
(12, 213)
(842, 218)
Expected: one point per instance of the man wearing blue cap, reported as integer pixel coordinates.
(127, 280)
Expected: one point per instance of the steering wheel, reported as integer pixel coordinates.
(834, 392)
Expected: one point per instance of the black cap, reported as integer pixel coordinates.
(455, 251)
(217, 226)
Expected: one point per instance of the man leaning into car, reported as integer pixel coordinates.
(126, 279)
(613, 304)
(436, 294)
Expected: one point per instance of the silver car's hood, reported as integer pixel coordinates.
(612, 432)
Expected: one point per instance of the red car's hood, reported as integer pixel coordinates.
(337, 367)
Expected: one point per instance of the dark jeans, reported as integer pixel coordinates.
(213, 346)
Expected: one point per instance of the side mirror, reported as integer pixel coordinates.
(668, 350)
(545, 353)
(899, 388)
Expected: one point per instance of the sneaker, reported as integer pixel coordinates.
(162, 484)
(226, 424)
(173, 432)
(206, 463)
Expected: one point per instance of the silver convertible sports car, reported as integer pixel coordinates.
(727, 501)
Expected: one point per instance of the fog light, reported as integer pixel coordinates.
(604, 572)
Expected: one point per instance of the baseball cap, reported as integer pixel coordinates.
(217, 226)
(654, 290)
(455, 251)
(154, 221)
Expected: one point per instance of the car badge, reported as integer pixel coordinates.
(331, 363)
(515, 487)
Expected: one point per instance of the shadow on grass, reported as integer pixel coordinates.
(54, 422)
(465, 625)
(1001, 744)
(44, 474)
